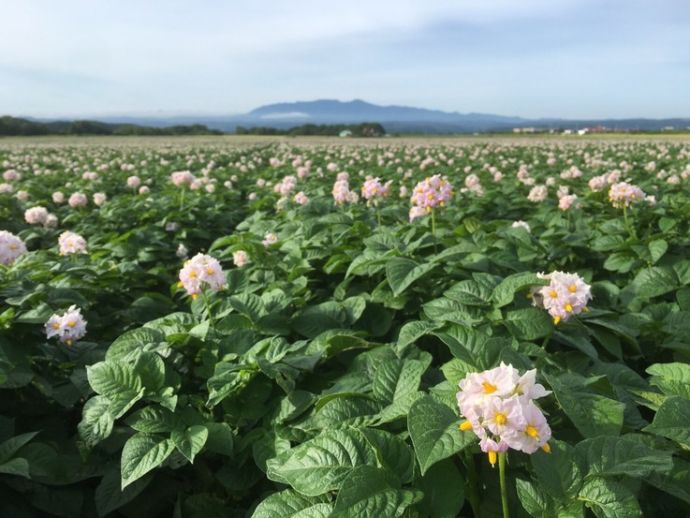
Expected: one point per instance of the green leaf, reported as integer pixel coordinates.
(444, 490)
(142, 453)
(322, 463)
(622, 456)
(671, 421)
(413, 331)
(505, 292)
(392, 453)
(591, 413)
(109, 496)
(151, 370)
(132, 343)
(18, 467)
(402, 272)
(675, 482)
(12, 445)
(369, 491)
(191, 441)
(655, 281)
(533, 499)
(397, 380)
(470, 293)
(557, 472)
(529, 323)
(118, 382)
(434, 431)
(152, 419)
(96, 422)
(289, 504)
(657, 249)
(609, 499)
(672, 378)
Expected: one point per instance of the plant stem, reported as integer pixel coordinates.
(378, 217)
(504, 487)
(207, 305)
(473, 486)
(433, 222)
(631, 231)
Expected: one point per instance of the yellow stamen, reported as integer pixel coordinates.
(569, 308)
(56, 325)
(195, 296)
(492, 458)
(500, 418)
(489, 388)
(532, 432)
(210, 271)
(556, 320)
(71, 323)
(546, 448)
(192, 274)
(553, 294)
(572, 288)
(465, 426)
(69, 342)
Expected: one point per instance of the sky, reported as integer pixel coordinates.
(532, 58)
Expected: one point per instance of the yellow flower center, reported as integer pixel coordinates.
(568, 307)
(532, 432)
(500, 418)
(72, 323)
(553, 294)
(193, 274)
(210, 271)
(489, 388)
(56, 325)
(572, 288)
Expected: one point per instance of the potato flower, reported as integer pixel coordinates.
(68, 327)
(11, 247)
(567, 294)
(71, 243)
(623, 194)
(201, 271)
(240, 258)
(434, 191)
(498, 405)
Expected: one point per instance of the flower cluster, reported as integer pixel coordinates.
(182, 178)
(373, 190)
(11, 247)
(199, 272)
(498, 405)
(269, 239)
(432, 192)
(341, 191)
(623, 194)
(36, 215)
(71, 243)
(521, 224)
(68, 327)
(565, 295)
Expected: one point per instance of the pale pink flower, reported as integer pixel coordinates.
(78, 199)
(58, 197)
(133, 182)
(68, 327)
(201, 271)
(99, 198)
(71, 243)
(240, 258)
(36, 215)
(11, 247)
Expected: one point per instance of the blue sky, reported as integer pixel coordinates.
(534, 58)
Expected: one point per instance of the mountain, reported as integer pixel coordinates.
(395, 119)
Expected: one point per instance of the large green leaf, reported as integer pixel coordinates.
(434, 431)
(402, 272)
(672, 378)
(290, 504)
(142, 453)
(608, 498)
(322, 463)
(369, 491)
(671, 421)
(118, 382)
(189, 442)
(444, 490)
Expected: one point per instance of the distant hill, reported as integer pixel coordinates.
(395, 119)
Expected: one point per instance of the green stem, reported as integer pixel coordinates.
(378, 217)
(631, 231)
(472, 484)
(433, 222)
(207, 305)
(504, 487)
